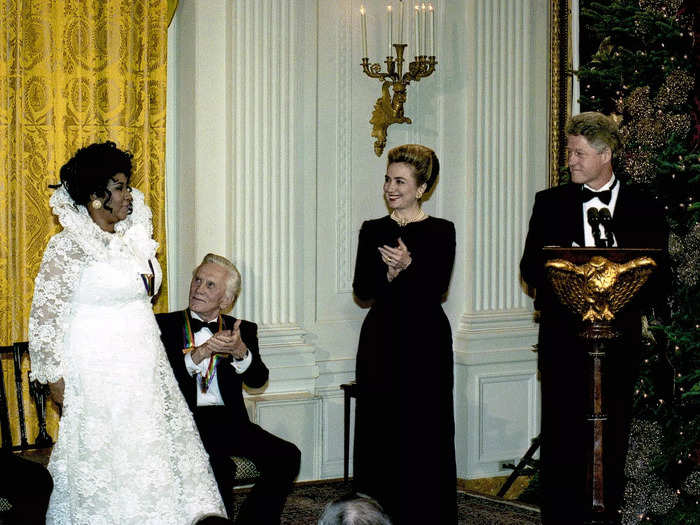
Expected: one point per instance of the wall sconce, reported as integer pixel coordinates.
(388, 109)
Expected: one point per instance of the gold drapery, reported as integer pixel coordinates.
(72, 73)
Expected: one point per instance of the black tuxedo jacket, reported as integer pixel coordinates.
(557, 220)
(172, 327)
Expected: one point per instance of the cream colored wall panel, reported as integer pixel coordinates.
(503, 156)
(209, 172)
(497, 414)
(264, 90)
(507, 405)
(298, 420)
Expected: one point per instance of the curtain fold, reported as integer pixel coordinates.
(72, 73)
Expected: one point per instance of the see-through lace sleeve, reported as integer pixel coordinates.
(58, 278)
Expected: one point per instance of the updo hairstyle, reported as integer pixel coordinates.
(91, 168)
(424, 161)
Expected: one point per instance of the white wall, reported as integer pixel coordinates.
(270, 163)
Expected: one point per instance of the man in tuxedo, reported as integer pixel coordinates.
(566, 216)
(212, 355)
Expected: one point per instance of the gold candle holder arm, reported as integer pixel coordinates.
(375, 70)
(420, 68)
(388, 110)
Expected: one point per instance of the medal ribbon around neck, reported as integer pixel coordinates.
(189, 346)
(149, 280)
(211, 372)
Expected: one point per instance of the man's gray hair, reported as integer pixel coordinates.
(356, 509)
(233, 283)
(600, 131)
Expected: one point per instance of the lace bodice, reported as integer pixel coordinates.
(82, 242)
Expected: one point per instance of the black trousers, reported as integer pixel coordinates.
(277, 461)
(27, 486)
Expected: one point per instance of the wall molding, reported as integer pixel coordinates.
(263, 83)
(502, 152)
(343, 225)
(502, 331)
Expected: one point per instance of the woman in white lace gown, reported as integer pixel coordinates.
(128, 450)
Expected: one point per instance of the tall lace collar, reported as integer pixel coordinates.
(135, 231)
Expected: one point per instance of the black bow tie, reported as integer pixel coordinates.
(604, 196)
(197, 325)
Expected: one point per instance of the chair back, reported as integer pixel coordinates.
(11, 360)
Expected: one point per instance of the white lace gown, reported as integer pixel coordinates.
(128, 451)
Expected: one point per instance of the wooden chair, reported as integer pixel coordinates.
(39, 393)
(349, 391)
(246, 472)
(38, 448)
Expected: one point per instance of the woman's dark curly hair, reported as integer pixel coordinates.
(89, 171)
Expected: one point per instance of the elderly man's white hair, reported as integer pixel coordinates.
(233, 282)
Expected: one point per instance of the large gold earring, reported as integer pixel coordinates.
(96, 204)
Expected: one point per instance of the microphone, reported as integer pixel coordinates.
(606, 221)
(594, 222)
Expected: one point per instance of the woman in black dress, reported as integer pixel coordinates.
(404, 423)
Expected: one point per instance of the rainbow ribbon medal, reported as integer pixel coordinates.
(211, 372)
(213, 360)
(188, 336)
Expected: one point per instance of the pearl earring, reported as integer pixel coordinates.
(96, 205)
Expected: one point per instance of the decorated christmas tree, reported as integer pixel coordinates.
(640, 62)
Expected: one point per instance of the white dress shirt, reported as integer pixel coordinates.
(597, 203)
(213, 395)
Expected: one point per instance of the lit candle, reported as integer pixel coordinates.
(401, 22)
(389, 35)
(424, 35)
(363, 20)
(434, 32)
(430, 49)
(416, 27)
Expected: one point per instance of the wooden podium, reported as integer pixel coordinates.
(595, 284)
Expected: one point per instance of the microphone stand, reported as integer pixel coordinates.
(594, 221)
(606, 222)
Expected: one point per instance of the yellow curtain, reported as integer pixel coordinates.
(73, 72)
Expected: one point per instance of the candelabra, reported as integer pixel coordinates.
(388, 109)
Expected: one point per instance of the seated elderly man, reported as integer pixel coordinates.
(212, 355)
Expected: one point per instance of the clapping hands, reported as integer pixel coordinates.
(225, 342)
(396, 259)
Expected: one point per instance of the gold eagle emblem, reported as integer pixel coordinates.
(598, 289)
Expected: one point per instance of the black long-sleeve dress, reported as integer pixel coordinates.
(404, 422)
